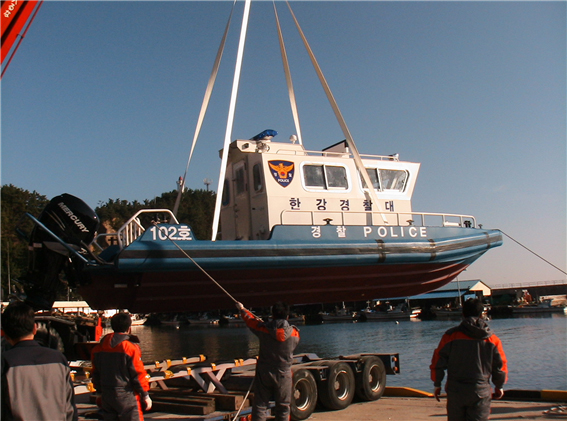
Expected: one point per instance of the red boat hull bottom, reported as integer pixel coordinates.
(193, 291)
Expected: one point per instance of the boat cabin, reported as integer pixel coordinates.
(270, 183)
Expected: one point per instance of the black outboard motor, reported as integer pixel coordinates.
(69, 218)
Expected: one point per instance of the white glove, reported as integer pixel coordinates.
(147, 402)
(239, 306)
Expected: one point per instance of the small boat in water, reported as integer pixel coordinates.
(203, 319)
(301, 226)
(447, 312)
(541, 307)
(138, 320)
(171, 321)
(401, 311)
(339, 315)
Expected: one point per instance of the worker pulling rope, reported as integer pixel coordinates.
(162, 232)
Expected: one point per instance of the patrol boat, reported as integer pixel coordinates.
(297, 225)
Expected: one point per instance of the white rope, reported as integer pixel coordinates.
(244, 400)
(196, 264)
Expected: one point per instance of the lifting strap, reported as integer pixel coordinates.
(370, 193)
(288, 79)
(204, 106)
(230, 120)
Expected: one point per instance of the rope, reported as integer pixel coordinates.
(537, 255)
(196, 264)
(244, 400)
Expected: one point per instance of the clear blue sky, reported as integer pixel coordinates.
(102, 98)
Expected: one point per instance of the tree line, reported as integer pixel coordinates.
(196, 209)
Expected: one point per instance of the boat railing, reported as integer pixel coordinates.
(133, 228)
(368, 218)
(283, 151)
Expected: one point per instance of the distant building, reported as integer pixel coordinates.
(448, 294)
(456, 289)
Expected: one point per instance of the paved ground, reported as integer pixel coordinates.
(428, 409)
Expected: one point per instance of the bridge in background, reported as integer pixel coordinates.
(536, 289)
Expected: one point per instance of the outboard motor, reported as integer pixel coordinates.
(75, 223)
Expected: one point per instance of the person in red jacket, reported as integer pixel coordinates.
(471, 354)
(118, 374)
(273, 380)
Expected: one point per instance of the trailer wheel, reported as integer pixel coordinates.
(337, 391)
(304, 395)
(371, 381)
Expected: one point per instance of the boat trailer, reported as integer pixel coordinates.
(196, 389)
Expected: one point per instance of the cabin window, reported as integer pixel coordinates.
(226, 193)
(240, 181)
(394, 179)
(336, 177)
(325, 176)
(373, 174)
(257, 177)
(314, 176)
(391, 180)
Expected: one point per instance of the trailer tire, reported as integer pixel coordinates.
(304, 395)
(337, 391)
(371, 380)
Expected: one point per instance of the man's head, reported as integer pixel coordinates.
(280, 310)
(18, 321)
(121, 322)
(473, 307)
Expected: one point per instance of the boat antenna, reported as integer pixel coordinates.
(230, 120)
(205, 104)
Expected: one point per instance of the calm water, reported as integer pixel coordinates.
(536, 347)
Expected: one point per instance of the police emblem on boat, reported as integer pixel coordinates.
(283, 171)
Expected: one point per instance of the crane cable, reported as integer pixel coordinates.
(534, 253)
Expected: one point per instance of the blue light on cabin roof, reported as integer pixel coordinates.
(265, 135)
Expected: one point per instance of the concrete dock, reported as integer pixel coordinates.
(428, 409)
(399, 404)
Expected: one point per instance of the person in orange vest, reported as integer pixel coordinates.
(118, 374)
(98, 329)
